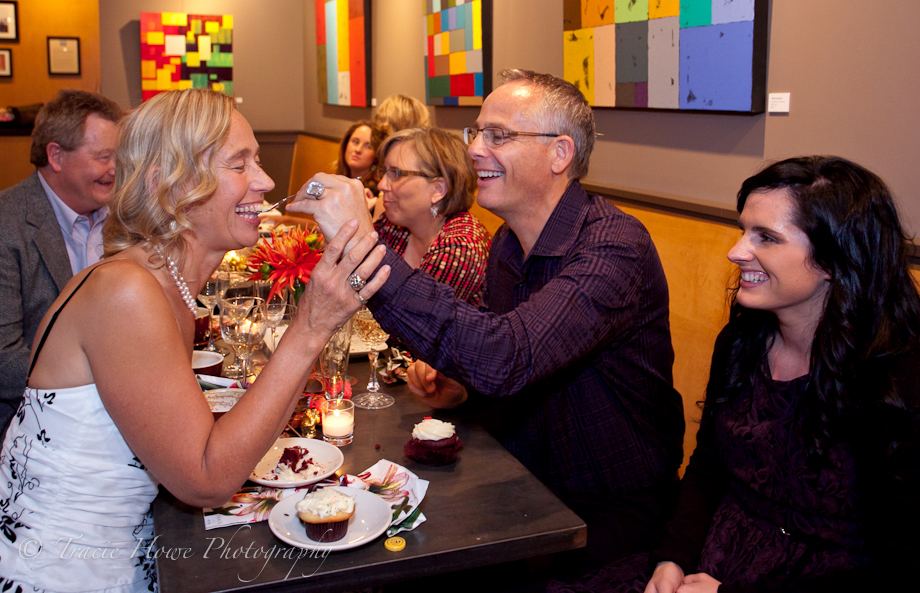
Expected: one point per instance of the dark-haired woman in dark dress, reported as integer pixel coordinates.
(806, 475)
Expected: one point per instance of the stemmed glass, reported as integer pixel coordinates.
(209, 295)
(369, 330)
(243, 325)
(274, 305)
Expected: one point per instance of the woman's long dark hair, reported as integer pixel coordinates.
(872, 310)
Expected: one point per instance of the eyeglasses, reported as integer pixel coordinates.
(394, 174)
(495, 137)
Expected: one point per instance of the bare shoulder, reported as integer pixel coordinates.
(121, 285)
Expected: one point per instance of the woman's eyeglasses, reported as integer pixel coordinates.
(394, 174)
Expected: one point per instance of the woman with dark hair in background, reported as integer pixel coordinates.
(806, 475)
(358, 153)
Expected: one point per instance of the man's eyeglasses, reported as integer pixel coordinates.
(394, 174)
(495, 137)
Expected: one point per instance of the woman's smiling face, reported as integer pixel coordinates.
(777, 270)
(228, 219)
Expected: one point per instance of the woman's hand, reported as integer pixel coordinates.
(342, 200)
(329, 300)
(667, 578)
(433, 388)
(699, 583)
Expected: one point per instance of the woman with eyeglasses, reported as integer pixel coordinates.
(428, 183)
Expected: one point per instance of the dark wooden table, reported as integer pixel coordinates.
(485, 509)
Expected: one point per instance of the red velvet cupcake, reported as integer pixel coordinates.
(325, 514)
(433, 443)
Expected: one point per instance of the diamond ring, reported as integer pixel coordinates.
(362, 300)
(356, 282)
(315, 189)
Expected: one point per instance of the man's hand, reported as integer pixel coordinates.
(433, 388)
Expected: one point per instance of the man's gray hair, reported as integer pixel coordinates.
(562, 110)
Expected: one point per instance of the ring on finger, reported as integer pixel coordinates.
(356, 282)
(315, 189)
(361, 299)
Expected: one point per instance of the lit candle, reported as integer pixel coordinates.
(338, 423)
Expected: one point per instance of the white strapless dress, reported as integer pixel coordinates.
(74, 499)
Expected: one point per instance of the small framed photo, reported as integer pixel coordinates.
(6, 63)
(9, 21)
(64, 55)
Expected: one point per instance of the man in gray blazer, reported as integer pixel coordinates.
(51, 224)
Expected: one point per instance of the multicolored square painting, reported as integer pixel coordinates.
(343, 51)
(458, 51)
(688, 55)
(181, 51)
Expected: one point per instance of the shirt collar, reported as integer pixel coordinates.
(564, 224)
(65, 215)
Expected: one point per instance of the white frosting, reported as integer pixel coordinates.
(326, 502)
(283, 473)
(430, 429)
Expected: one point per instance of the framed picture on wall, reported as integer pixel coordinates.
(6, 63)
(64, 55)
(9, 21)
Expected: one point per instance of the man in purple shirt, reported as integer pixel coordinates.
(572, 348)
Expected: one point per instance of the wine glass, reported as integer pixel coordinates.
(369, 330)
(209, 295)
(275, 304)
(243, 325)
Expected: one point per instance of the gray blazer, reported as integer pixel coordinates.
(34, 267)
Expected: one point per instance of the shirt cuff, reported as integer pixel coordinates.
(399, 274)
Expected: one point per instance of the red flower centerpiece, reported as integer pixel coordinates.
(287, 259)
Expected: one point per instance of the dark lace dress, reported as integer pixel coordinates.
(776, 519)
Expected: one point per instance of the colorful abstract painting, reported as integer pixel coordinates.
(343, 51)
(458, 51)
(688, 55)
(182, 51)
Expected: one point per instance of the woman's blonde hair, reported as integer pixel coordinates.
(399, 112)
(166, 149)
(440, 154)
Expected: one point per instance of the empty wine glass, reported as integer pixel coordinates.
(243, 325)
(369, 330)
(274, 312)
(209, 295)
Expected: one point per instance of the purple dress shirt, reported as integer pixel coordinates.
(573, 344)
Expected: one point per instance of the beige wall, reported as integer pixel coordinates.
(850, 72)
(268, 65)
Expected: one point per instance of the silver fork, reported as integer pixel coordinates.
(281, 202)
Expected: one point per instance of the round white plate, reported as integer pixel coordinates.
(372, 517)
(361, 348)
(327, 456)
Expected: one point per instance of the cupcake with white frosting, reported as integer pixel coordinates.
(325, 514)
(434, 442)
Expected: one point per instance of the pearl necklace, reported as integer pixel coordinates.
(184, 291)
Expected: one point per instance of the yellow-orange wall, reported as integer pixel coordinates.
(31, 83)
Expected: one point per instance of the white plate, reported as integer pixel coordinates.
(359, 347)
(372, 517)
(327, 456)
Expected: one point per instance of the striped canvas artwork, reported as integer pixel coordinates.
(343, 46)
